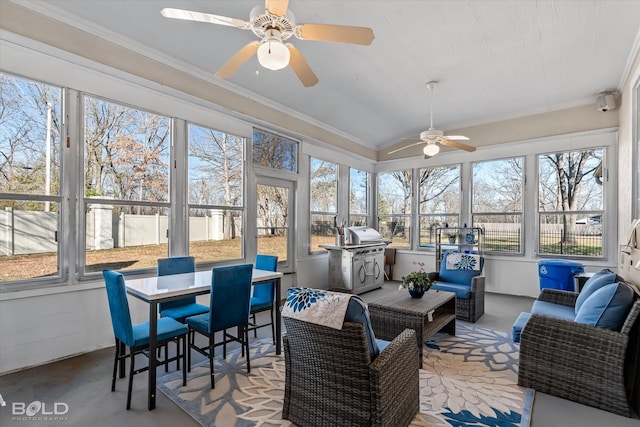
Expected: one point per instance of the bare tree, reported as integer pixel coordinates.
(569, 169)
(126, 152)
(25, 107)
(435, 184)
(324, 188)
(217, 171)
(498, 186)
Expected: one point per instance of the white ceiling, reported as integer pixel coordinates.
(494, 59)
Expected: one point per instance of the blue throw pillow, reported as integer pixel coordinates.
(357, 313)
(595, 282)
(607, 307)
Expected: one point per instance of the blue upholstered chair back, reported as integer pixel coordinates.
(461, 276)
(264, 291)
(118, 306)
(230, 295)
(176, 265)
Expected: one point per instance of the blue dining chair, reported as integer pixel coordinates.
(230, 294)
(136, 337)
(184, 307)
(263, 295)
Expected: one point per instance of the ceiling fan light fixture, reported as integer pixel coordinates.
(272, 53)
(431, 149)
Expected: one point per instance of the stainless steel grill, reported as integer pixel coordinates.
(358, 266)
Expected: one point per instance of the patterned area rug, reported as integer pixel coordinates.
(466, 380)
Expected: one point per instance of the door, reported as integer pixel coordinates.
(275, 219)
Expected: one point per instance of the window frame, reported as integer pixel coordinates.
(335, 213)
(410, 214)
(367, 214)
(603, 212)
(242, 208)
(521, 213)
(84, 201)
(420, 215)
(296, 142)
(62, 273)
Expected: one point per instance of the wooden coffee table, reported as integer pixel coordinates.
(434, 312)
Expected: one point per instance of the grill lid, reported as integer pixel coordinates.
(363, 235)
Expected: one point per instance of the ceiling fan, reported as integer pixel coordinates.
(274, 24)
(433, 137)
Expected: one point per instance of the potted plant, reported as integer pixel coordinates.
(417, 282)
(452, 235)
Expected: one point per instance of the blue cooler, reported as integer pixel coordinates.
(558, 274)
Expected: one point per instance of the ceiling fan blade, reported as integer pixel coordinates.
(276, 7)
(458, 145)
(238, 60)
(190, 15)
(300, 66)
(407, 146)
(335, 33)
(456, 138)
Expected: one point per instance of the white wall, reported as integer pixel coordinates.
(626, 149)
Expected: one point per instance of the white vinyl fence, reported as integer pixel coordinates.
(30, 232)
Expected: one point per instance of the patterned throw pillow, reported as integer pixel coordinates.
(461, 276)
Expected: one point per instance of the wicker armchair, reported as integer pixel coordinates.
(330, 379)
(467, 309)
(590, 365)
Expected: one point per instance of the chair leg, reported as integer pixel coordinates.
(245, 335)
(273, 327)
(123, 351)
(191, 340)
(240, 339)
(211, 345)
(224, 344)
(166, 357)
(255, 329)
(184, 360)
(115, 366)
(178, 353)
(131, 371)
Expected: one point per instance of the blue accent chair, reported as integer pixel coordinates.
(264, 295)
(184, 307)
(230, 296)
(468, 285)
(136, 337)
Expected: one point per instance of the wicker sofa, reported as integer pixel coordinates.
(331, 380)
(587, 364)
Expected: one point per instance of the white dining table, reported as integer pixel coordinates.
(157, 289)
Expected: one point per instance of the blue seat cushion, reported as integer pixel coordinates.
(259, 304)
(550, 309)
(607, 307)
(199, 323)
(518, 326)
(357, 313)
(595, 282)
(382, 344)
(167, 329)
(462, 291)
(181, 312)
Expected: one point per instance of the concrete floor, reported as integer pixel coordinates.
(84, 384)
